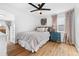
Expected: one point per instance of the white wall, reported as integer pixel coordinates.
(49, 20)
(6, 15)
(77, 25)
(24, 20)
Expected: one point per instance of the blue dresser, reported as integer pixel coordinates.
(55, 36)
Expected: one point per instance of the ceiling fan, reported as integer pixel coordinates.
(39, 7)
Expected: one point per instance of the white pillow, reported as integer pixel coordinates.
(40, 29)
(46, 29)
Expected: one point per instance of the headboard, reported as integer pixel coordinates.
(42, 28)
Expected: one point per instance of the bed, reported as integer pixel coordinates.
(33, 40)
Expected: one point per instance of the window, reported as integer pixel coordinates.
(60, 22)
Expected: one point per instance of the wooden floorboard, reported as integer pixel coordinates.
(49, 49)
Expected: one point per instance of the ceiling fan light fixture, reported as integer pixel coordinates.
(40, 12)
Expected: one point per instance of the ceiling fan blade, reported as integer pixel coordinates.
(34, 10)
(40, 9)
(33, 5)
(41, 5)
(45, 9)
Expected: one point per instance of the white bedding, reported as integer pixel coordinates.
(32, 40)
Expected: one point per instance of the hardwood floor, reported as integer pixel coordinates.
(49, 49)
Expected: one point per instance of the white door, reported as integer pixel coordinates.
(12, 33)
(3, 44)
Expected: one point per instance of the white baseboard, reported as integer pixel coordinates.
(3, 53)
(77, 47)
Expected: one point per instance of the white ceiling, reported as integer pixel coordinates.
(55, 7)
